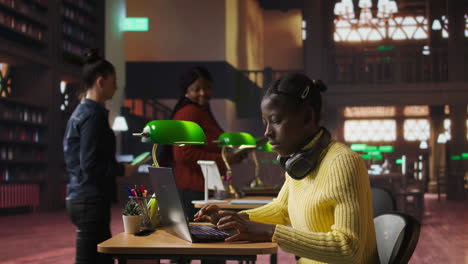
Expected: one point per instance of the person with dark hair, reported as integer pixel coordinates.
(89, 150)
(194, 106)
(323, 213)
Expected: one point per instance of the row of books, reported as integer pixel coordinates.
(76, 16)
(20, 134)
(20, 113)
(21, 174)
(77, 33)
(17, 153)
(21, 26)
(73, 48)
(24, 7)
(83, 4)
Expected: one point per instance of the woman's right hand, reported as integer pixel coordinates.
(208, 213)
(212, 213)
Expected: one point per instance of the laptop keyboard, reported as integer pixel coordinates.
(206, 230)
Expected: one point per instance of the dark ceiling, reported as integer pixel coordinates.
(283, 5)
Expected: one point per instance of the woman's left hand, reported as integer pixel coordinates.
(246, 230)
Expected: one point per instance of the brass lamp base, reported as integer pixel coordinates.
(256, 183)
(232, 191)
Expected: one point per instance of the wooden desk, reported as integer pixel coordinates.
(266, 191)
(228, 205)
(163, 245)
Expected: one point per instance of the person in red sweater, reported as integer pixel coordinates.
(194, 106)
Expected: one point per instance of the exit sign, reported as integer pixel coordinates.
(135, 24)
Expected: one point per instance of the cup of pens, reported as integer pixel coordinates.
(148, 205)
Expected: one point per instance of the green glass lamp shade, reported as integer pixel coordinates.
(173, 132)
(265, 147)
(237, 139)
(464, 156)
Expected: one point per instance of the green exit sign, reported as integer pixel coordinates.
(135, 24)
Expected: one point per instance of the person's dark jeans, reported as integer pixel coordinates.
(91, 217)
(187, 197)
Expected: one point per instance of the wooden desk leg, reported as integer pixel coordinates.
(273, 258)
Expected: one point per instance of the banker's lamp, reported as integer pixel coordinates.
(266, 147)
(171, 132)
(231, 139)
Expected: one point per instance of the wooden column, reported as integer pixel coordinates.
(437, 155)
(319, 16)
(456, 43)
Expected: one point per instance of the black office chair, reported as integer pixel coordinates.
(382, 201)
(397, 236)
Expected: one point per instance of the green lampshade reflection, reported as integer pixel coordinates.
(386, 149)
(399, 161)
(455, 157)
(372, 156)
(358, 147)
(370, 148)
(173, 132)
(366, 156)
(236, 139)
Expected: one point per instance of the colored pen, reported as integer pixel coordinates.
(129, 191)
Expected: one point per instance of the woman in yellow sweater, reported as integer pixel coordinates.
(323, 213)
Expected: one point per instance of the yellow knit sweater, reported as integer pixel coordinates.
(327, 216)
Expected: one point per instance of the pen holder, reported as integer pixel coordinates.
(149, 211)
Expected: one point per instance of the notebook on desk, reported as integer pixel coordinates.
(172, 213)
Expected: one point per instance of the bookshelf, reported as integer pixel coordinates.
(24, 20)
(79, 32)
(23, 132)
(41, 44)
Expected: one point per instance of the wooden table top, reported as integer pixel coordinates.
(229, 205)
(162, 242)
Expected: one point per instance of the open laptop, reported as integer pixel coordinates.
(172, 213)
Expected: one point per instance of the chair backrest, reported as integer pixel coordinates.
(382, 201)
(397, 235)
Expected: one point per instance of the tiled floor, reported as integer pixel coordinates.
(46, 238)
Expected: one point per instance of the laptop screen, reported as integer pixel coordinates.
(170, 206)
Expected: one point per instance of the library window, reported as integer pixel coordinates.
(416, 110)
(398, 28)
(369, 111)
(416, 129)
(374, 130)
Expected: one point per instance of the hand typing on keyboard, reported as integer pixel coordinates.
(225, 219)
(246, 230)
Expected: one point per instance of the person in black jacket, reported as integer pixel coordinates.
(89, 149)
